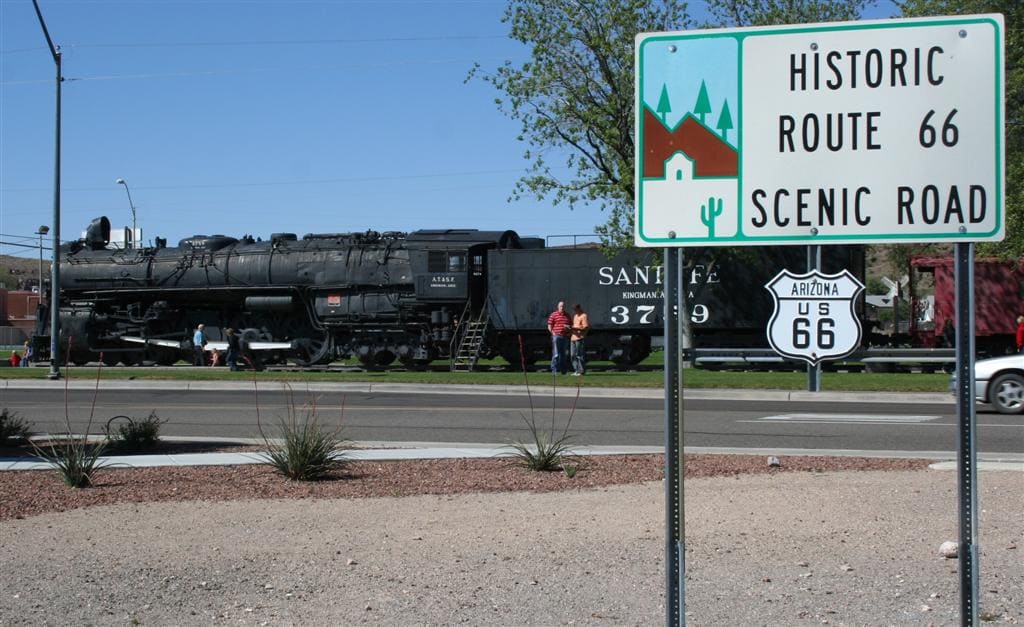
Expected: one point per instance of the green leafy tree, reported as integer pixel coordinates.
(724, 121)
(703, 105)
(773, 12)
(574, 98)
(1013, 15)
(664, 106)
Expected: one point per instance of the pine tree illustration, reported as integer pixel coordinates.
(724, 121)
(664, 106)
(703, 106)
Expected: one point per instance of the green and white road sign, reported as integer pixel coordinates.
(841, 133)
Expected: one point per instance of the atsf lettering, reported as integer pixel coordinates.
(442, 281)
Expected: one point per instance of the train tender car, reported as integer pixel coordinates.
(378, 296)
(728, 303)
(998, 300)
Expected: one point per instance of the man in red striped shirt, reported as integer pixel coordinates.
(559, 326)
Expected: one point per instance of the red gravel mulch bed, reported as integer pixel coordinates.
(33, 492)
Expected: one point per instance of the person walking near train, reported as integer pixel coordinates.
(1020, 334)
(577, 349)
(233, 347)
(559, 326)
(199, 346)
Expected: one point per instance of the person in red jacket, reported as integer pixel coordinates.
(1020, 334)
(559, 326)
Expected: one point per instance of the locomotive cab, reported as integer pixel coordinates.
(450, 266)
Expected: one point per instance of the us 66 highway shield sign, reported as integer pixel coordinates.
(814, 318)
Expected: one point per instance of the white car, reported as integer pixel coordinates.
(999, 381)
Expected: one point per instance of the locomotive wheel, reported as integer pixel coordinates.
(166, 357)
(517, 361)
(134, 358)
(415, 364)
(311, 351)
(110, 359)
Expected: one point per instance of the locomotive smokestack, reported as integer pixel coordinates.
(97, 236)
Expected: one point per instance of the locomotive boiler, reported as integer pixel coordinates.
(378, 296)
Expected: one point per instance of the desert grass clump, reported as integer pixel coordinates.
(14, 429)
(134, 435)
(545, 452)
(75, 457)
(549, 449)
(306, 449)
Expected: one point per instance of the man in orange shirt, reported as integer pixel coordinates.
(577, 351)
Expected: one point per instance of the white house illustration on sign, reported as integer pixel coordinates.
(706, 206)
(690, 179)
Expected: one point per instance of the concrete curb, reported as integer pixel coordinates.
(489, 390)
(397, 451)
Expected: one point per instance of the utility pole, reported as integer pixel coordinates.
(55, 269)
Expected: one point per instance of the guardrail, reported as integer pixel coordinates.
(766, 356)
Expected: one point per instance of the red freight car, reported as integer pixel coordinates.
(998, 300)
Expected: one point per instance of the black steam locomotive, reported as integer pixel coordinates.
(458, 295)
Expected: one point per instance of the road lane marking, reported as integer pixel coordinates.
(846, 418)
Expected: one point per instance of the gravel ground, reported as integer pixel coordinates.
(819, 541)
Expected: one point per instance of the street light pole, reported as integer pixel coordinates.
(43, 230)
(131, 206)
(55, 269)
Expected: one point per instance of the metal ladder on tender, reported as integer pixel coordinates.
(465, 356)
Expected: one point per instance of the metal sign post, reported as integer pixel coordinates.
(813, 370)
(966, 453)
(675, 571)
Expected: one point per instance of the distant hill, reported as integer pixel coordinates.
(21, 273)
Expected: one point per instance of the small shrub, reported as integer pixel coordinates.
(13, 428)
(305, 450)
(75, 458)
(131, 435)
(546, 452)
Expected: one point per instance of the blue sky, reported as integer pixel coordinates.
(251, 116)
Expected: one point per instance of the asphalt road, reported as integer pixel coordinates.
(723, 419)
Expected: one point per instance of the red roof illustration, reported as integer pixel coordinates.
(712, 156)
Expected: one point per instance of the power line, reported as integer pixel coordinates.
(270, 42)
(32, 246)
(293, 68)
(354, 179)
(291, 42)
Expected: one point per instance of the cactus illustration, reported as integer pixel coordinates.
(709, 213)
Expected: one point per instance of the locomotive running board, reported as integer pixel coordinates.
(214, 346)
(151, 342)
